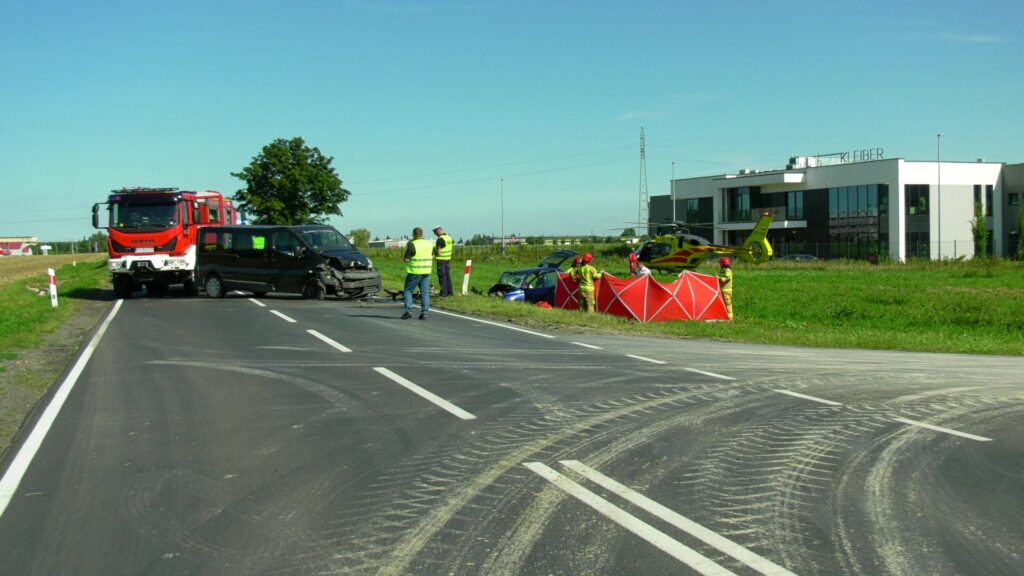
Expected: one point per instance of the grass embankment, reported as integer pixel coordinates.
(36, 340)
(974, 307)
(25, 316)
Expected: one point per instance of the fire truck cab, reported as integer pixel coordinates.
(151, 236)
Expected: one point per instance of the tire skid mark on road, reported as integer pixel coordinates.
(477, 467)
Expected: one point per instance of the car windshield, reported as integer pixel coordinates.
(325, 239)
(512, 279)
(143, 214)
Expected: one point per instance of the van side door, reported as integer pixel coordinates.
(250, 268)
(290, 261)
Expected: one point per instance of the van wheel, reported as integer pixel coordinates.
(123, 286)
(191, 287)
(214, 286)
(314, 290)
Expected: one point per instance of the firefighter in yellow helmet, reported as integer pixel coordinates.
(585, 275)
(725, 282)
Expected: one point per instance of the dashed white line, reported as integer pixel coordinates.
(276, 313)
(591, 346)
(659, 539)
(329, 341)
(759, 563)
(806, 397)
(516, 328)
(712, 374)
(645, 359)
(257, 302)
(452, 408)
(941, 429)
(19, 465)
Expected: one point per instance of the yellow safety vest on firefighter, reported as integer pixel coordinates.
(446, 252)
(422, 257)
(585, 275)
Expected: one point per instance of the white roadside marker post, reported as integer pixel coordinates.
(465, 276)
(53, 287)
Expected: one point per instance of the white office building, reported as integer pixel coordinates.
(855, 205)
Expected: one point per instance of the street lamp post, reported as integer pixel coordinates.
(938, 190)
(502, 193)
(672, 191)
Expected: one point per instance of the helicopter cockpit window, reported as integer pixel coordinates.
(659, 250)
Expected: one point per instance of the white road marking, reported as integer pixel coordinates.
(659, 539)
(712, 374)
(516, 328)
(652, 360)
(276, 313)
(591, 346)
(328, 341)
(806, 397)
(19, 465)
(941, 429)
(705, 535)
(426, 394)
(257, 302)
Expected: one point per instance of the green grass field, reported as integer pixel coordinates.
(965, 307)
(974, 307)
(25, 316)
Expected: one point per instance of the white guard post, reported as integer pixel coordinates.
(53, 287)
(465, 276)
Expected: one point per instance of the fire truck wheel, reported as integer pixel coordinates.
(214, 287)
(314, 290)
(191, 288)
(123, 287)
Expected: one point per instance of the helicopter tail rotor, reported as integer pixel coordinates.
(757, 249)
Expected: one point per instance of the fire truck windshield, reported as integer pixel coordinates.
(144, 214)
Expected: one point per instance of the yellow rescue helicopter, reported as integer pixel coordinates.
(681, 250)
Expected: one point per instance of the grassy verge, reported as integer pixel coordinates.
(974, 307)
(25, 316)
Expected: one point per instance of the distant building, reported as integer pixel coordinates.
(389, 243)
(853, 205)
(17, 246)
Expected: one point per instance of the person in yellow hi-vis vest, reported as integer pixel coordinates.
(418, 262)
(585, 275)
(443, 252)
(725, 282)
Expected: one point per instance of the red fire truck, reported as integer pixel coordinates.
(152, 236)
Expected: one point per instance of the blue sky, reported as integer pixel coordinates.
(426, 105)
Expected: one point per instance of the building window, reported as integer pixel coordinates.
(1013, 199)
(795, 205)
(737, 204)
(988, 200)
(918, 244)
(692, 205)
(916, 199)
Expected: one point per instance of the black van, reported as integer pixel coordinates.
(311, 260)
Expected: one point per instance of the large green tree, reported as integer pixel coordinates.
(360, 237)
(290, 183)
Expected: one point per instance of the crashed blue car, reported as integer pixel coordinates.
(533, 284)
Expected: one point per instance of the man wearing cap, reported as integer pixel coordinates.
(443, 252)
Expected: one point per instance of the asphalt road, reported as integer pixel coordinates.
(283, 436)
